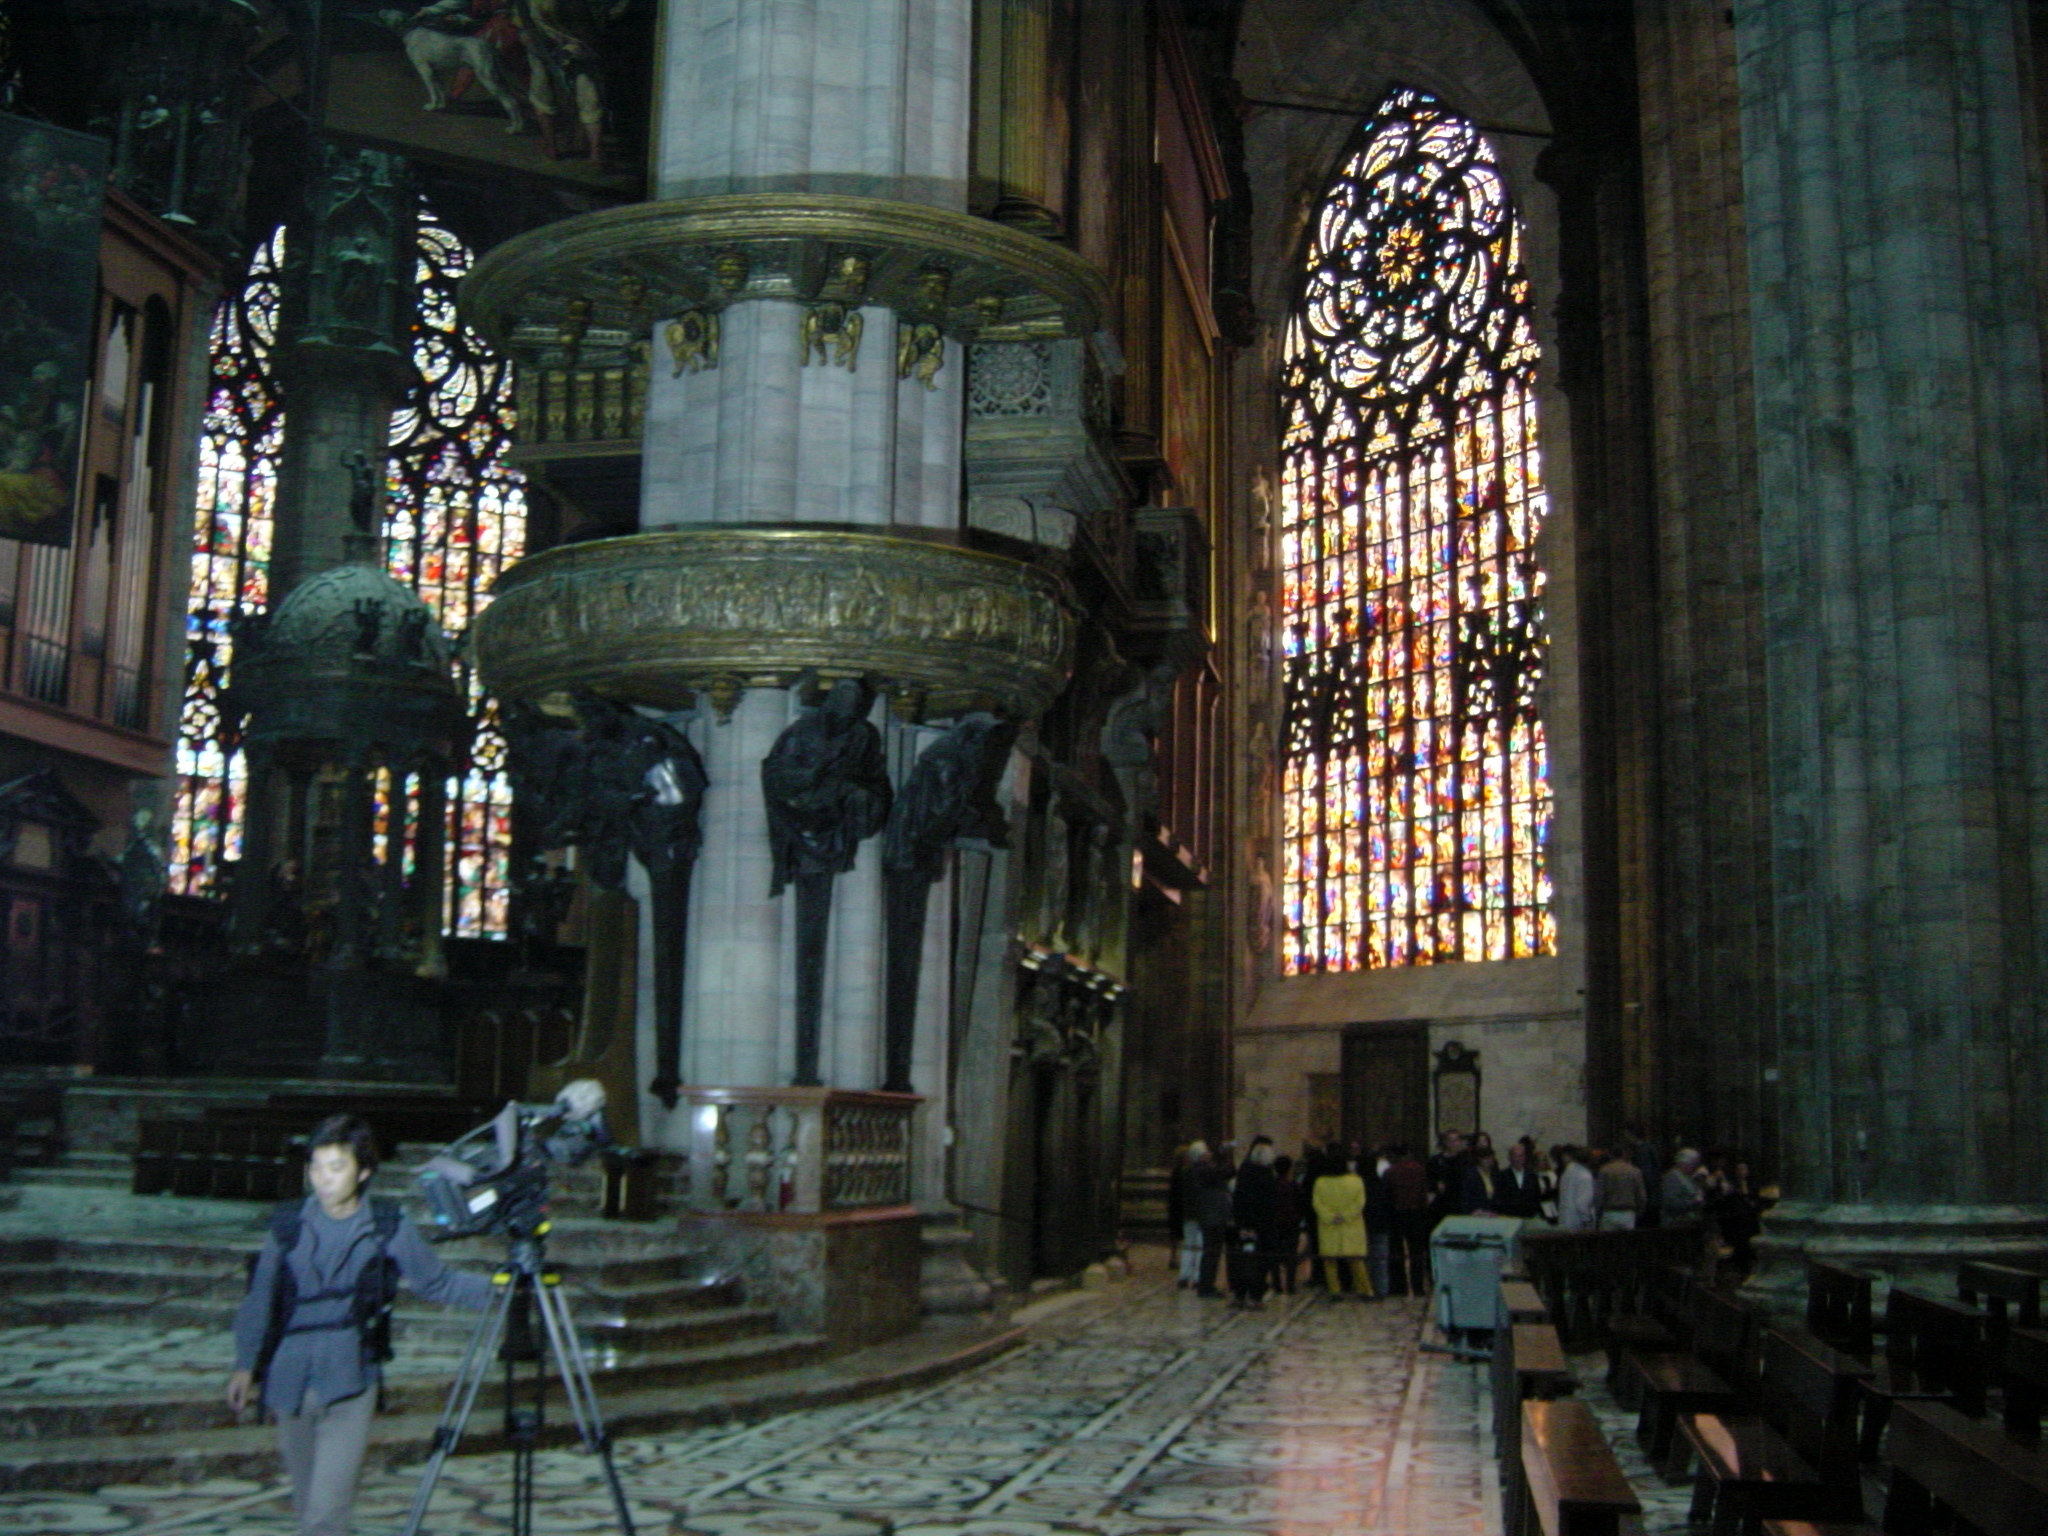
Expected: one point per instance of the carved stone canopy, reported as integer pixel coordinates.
(590, 288)
(655, 618)
(349, 655)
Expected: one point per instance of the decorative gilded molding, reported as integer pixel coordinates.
(656, 618)
(596, 282)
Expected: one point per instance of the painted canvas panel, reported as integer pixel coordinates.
(557, 89)
(52, 186)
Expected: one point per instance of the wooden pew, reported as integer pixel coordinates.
(1934, 1351)
(1718, 1375)
(1528, 1362)
(1838, 1307)
(2012, 1297)
(1571, 1485)
(1938, 1456)
(1796, 1460)
(1662, 1328)
(2022, 1367)
(1587, 1279)
(1521, 1302)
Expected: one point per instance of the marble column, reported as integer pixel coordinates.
(1893, 210)
(865, 98)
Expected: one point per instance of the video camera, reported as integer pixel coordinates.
(495, 1178)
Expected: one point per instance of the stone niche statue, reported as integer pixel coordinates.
(948, 801)
(826, 784)
(623, 784)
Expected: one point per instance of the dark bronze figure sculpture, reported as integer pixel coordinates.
(948, 800)
(623, 784)
(826, 783)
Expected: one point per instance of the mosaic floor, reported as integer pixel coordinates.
(1134, 1411)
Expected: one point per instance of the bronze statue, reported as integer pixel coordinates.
(948, 801)
(826, 784)
(622, 784)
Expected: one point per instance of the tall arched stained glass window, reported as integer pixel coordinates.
(239, 447)
(455, 516)
(1416, 793)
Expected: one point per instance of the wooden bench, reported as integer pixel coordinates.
(1521, 1302)
(1934, 1351)
(1571, 1485)
(1718, 1375)
(1660, 1329)
(1795, 1460)
(2012, 1297)
(1529, 1362)
(1838, 1307)
(2021, 1363)
(1588, 1279)
(1939, 1457)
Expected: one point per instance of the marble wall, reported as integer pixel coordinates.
(1533, 1075)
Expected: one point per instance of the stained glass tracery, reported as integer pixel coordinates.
(1416, 798)
(455, 515)
(239, 447)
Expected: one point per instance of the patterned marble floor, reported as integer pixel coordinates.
(1138, 1411)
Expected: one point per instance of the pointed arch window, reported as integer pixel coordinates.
(455, 515)
(239, 447)
(1416, 801)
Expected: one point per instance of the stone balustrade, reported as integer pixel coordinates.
(798, 1151)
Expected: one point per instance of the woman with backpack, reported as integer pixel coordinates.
(315, 1325)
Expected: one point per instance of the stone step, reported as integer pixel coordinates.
(399, 1441)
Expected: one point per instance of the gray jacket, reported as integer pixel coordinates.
(320, 1352)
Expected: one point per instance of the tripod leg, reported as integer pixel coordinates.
(582, 1394)
(476, 1359)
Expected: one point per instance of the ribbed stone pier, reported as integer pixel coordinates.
(1892, 229)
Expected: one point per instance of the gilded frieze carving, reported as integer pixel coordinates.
(658, 617)
(967, 277)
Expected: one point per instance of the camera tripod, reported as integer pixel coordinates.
(506, 1332)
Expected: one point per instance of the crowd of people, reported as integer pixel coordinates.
(1362, 1220)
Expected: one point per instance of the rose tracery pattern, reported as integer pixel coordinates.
(1416, 800)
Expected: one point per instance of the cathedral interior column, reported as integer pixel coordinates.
(1901, 464)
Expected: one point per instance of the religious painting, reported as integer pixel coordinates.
(52, 185)
(558, 89)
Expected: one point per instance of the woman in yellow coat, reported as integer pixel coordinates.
(1339, 1200)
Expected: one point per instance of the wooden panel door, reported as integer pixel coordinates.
(1386, 1084)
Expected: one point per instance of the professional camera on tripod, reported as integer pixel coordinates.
(495, 1178)
(495, 1181)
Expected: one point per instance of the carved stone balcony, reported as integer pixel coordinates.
(656, 618)
(798, 1151)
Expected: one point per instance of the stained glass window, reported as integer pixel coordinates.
(239, 447)
(455, 516)
(1416, 794)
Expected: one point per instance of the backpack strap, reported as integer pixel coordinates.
(285, 1221)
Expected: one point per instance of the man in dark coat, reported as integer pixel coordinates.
(1255, 1212)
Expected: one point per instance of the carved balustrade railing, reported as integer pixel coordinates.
(798, 1151)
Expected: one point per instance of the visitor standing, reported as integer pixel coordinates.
(314, 1328)
(1680, 1193)
(1286, 1227)
(1255, 1216)
(1408, 1194)
(1339, 1200)
(1181, 1203)
(1621, 1193)
(1578, 1193)
(1212, 1212)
